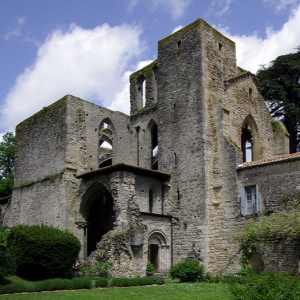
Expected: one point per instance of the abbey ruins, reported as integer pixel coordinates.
(198, 155)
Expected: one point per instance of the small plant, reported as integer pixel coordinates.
(149, 269)
(158, 279)
(101, 282)
(188, 271)
(82, 282)
(7, 265)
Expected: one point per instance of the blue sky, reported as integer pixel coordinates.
(51, 48)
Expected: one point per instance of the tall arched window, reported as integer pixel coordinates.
(154, 147)
(150, 200)
(250, 141)
(106, 141)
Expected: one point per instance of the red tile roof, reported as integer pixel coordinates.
(125, 167)
(274, 159)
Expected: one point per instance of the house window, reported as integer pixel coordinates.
(250, 204)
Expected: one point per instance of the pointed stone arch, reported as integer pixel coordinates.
(97, 208)
(250, 140)
(151, 145)
(107, 143)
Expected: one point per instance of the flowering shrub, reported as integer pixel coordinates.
(158, 279)
(7, 265)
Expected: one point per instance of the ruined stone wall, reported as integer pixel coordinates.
(84, 119)
(143, 186)
(37, 203)
(182, 148)
(41, 143)
(274, 181)
(145, 120)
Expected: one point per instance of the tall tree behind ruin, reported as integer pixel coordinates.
(280, 87)
(7, 159)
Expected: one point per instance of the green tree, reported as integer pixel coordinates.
(280, 87)
(7, 159)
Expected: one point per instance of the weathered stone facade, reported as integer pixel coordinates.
(172, 185)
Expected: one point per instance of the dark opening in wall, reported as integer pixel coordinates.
(175, 159)
(178, 44)
(247, 143)
(220, 46)
(250, 92)
(150, 200)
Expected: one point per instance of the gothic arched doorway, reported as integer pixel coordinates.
(97, 209)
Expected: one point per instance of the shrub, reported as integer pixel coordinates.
(187, 271)
(101, 282)
(7, 289)
(42, 252)
(18, 287)
(267, 286)
(82, 282)
(7, 265)
(120, 281)
(149, 269)
(40, 285)
(4, 231)
(29, 288)
(134, 281)
(59, 283)
(145, 280)
(156, 279)
(68, 284)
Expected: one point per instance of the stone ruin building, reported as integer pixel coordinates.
(198, 155)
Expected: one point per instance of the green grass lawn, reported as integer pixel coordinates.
(172, 291)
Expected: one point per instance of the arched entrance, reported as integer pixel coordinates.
(158, 254)
(97, 209)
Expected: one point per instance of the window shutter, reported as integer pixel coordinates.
(257, 202)
(243, 202)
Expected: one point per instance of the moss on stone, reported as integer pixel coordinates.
(278, 127)
(193, 29)
(223, 105)
(50, 177)
(146, 71)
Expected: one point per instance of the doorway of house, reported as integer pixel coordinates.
(154, 256)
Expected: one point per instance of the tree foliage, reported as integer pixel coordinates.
(282, 225)
(7, 159)
(280, 87)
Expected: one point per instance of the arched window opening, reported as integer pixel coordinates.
(144, 93)
(256, 260)
(150, 201)
(247, 143)
(100, 218)
(154, 147)
(141, 95)
(105, 144)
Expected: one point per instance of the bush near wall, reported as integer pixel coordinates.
(187, 271)
(42, 252)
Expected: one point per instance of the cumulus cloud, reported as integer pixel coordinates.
(176, 8)
(219, 7)
(281, 4)
(253, 50)
(89, 63)
(177, 28)
(121, 100)
(16, 30)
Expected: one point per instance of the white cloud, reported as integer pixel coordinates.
(121, 101)
(15, 31)
(219, 7)
(176, 8)
(88, 63)
(253, 50)
(177, 28)
(281, 4)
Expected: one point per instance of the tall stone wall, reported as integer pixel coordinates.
(41, 143)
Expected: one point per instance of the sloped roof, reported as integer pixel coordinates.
(125, 167)
(272, 160)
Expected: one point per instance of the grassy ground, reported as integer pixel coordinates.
(172, 291)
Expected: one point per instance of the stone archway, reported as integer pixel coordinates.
(158, 253)
(97, 208)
